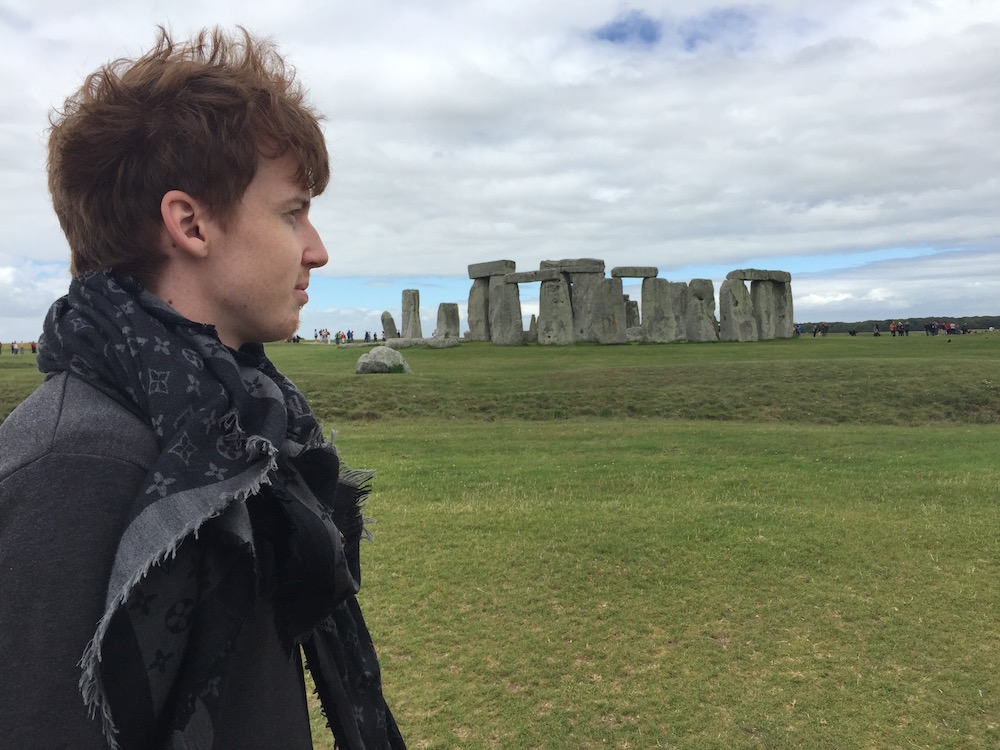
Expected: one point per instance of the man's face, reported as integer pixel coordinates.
(260, 263)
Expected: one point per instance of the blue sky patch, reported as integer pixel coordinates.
(631, 27)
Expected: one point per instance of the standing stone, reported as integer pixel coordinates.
(479, 310)
(658, 324)
(762, 294)
(631, 313)
(531, 335)
(585, 274)
(389, 326)
(555, 312)
(447, 320)
(506, 327)
(736, 317)
(411, 314)
(784, 318)
(609, 312)
(701, 325)
(680, 297)
(583, 290)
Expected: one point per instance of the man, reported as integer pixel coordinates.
(174, 529)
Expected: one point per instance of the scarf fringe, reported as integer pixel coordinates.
(360, 483)
(91, 688)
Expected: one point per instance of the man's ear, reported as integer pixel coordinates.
(185, 221)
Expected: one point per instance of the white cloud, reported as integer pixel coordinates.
(463, 132)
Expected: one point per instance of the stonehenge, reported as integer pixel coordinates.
(447, 321)
(700, 317)
(506, 327)
(389, 326)
(763, 313)
(577, 303)
(736, 316)
(411, 315)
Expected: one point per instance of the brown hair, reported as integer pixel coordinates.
(195, 117)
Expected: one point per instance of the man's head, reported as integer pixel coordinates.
(196, 117)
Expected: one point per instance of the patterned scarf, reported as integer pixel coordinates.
(240, 452)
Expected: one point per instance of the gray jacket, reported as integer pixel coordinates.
(71, 459)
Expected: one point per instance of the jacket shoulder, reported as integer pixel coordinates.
(65, 415)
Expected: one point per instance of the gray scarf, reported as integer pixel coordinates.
(239, 450)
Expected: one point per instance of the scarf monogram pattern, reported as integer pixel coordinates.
(240, 452)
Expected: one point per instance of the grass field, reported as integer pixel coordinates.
(788, 544)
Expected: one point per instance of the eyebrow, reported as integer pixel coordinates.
(298, 202)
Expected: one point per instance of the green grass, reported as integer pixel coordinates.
(663, 584)
(837, 380)
(790, 544)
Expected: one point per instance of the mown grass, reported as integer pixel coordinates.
(837, 380)
(594, 583)
(777, 545)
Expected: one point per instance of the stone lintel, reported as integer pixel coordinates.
(753, 274)
(491, 268)
(634, 272)
(574, 265)
(526, 277)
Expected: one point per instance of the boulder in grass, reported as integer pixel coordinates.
(381, 359)
(441, 343)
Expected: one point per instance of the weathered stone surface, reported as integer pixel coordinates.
(574, 265)
(531, 335)
(609, 312)
(447, 321)
(442, 343)
(635, 334)
(754, 274)
(701, 324)
(736, 318)
(762, 295)
(784, 317)
(634, 272)
(411, 315)
(680, 298)
(401, 343)
(506, 327)
(631, 313)
(479, 310)
(555, 312)
(381, 359)
(658, 323)
(389, 326)
(527, 277)
(491, 268)
(582, 288)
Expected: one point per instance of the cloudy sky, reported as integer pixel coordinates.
(850, 142)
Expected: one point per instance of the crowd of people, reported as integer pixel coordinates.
(933, 328)
(20, 347)
(895, 328)
(344, 337)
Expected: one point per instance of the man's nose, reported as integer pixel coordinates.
(315, 254)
